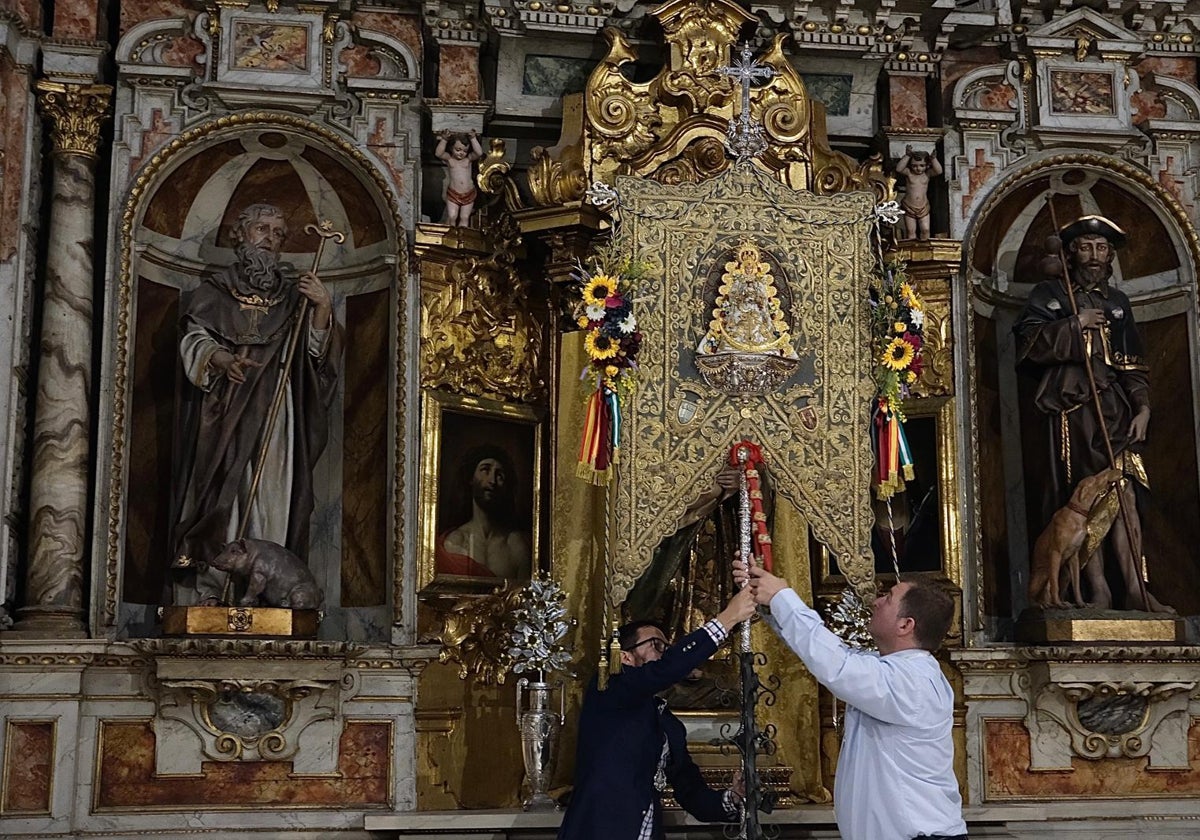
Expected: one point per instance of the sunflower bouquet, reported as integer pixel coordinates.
(612, 341)
(897, 331)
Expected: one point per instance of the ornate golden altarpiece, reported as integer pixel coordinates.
(686, 205)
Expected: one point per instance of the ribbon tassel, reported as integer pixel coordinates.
(893, 457)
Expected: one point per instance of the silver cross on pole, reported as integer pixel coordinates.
(744, 139)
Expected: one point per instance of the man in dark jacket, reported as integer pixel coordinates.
(631, 746)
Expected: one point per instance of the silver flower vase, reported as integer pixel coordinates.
(539, 726)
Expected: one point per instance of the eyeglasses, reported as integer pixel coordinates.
(659, 644)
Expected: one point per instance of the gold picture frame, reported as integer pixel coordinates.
(457, 429)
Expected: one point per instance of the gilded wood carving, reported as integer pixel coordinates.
(672, 128)
(479, 334)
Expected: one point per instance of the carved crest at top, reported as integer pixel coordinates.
(673, 127)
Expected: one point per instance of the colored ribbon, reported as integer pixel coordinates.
(893, 457)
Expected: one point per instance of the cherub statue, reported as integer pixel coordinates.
(460, 177)
(917, 168)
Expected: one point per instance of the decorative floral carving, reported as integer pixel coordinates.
(479, 333)
(248, 719)
(620, 114)
(475, 635)
(672, 128)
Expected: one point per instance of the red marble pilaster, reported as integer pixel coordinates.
(29, 12)
(458, 73)
(908, 103)
(76, 19)
(15, 91)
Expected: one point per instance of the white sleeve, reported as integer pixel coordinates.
(318, 340)
(860, 678)
(196, 348)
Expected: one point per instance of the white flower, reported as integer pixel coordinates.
(595, 312)
(629, 325)
(917, 318)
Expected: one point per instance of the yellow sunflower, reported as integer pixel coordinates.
(910, 297)
(598, 289)
(898, 355)
(599, 346)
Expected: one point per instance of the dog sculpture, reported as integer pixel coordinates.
(1073, 535)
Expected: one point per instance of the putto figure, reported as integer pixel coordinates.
(918, 168)
(464, 151)
(234, 334)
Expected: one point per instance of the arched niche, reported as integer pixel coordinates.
(1157, 269)
(177, 228)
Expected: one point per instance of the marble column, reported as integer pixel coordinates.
(58, 504)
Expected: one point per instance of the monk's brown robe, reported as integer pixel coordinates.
(1051, 342)
(218, 432)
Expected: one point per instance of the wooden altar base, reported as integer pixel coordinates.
(240, 621)
(1089, 626)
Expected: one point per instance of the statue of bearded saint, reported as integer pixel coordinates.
(234, 332)
(747, 317)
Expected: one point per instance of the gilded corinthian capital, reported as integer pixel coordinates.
(75, 112)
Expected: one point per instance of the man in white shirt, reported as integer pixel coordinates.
(895, 773)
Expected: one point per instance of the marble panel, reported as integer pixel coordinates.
(850, 106)
(381, 142)
(1148, 104)
(126, 777)
(830, 89)
(75, 20)
(1183, 69)
(458, 74)
(405, 27)
(1000, 96)
(28, 767)
(1008, 777)
(554, 75)
(528, 74)
(160, 130)
(908, 103)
